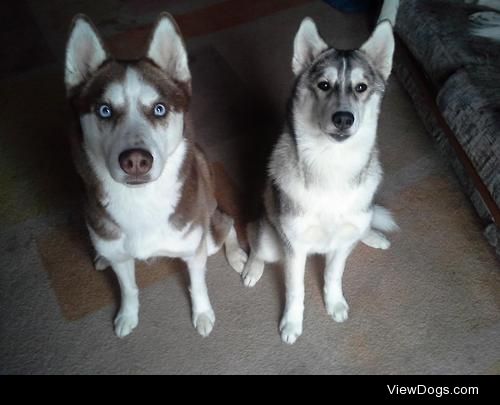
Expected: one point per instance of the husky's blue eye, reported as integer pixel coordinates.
(324, 86)
(105, 111)
(160, 110)
(361, 88)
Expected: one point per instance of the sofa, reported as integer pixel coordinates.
(453, 78)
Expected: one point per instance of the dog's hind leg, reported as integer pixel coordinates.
(376, 240)
(382, 220)
(264, 247)
(253, 271)
(236, 256)
(128, 316)
(222, 232)
(101, 263)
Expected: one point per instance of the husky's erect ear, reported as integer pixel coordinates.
(380, 48)
(167, 49)
(84, 53)
(308, 46)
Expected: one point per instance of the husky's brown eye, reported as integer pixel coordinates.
(324, 86)
(361, 88)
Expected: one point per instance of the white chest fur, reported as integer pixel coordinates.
(332, 206)
(143, 216)
(327, 220)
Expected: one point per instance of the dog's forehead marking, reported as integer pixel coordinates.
(343, 77)
(357, 75)
(115, 94)
(138, 89)
(336, 65)
(132, 90)
(331, 73)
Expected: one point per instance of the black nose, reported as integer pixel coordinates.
(343, 120)
(136, 162)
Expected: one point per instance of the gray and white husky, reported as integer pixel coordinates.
(324, 170)
(150, 191)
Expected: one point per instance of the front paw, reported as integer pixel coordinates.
(125, 323)
(204, 322)
(290, 331)
(338, 310)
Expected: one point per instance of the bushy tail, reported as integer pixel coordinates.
(486, 24)
(383, 220)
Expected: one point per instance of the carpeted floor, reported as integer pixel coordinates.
(431, 304)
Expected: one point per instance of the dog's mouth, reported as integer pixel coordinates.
(339, 136)
(137, 182)
(335, 134)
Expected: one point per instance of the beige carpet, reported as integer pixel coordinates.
(431, 304)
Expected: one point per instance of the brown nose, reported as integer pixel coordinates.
(136, 162)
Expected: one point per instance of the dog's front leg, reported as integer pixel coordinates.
(128, 316)
(291, 324)
(336, 305)
(203, 314)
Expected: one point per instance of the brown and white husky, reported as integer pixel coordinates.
(149, 189)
